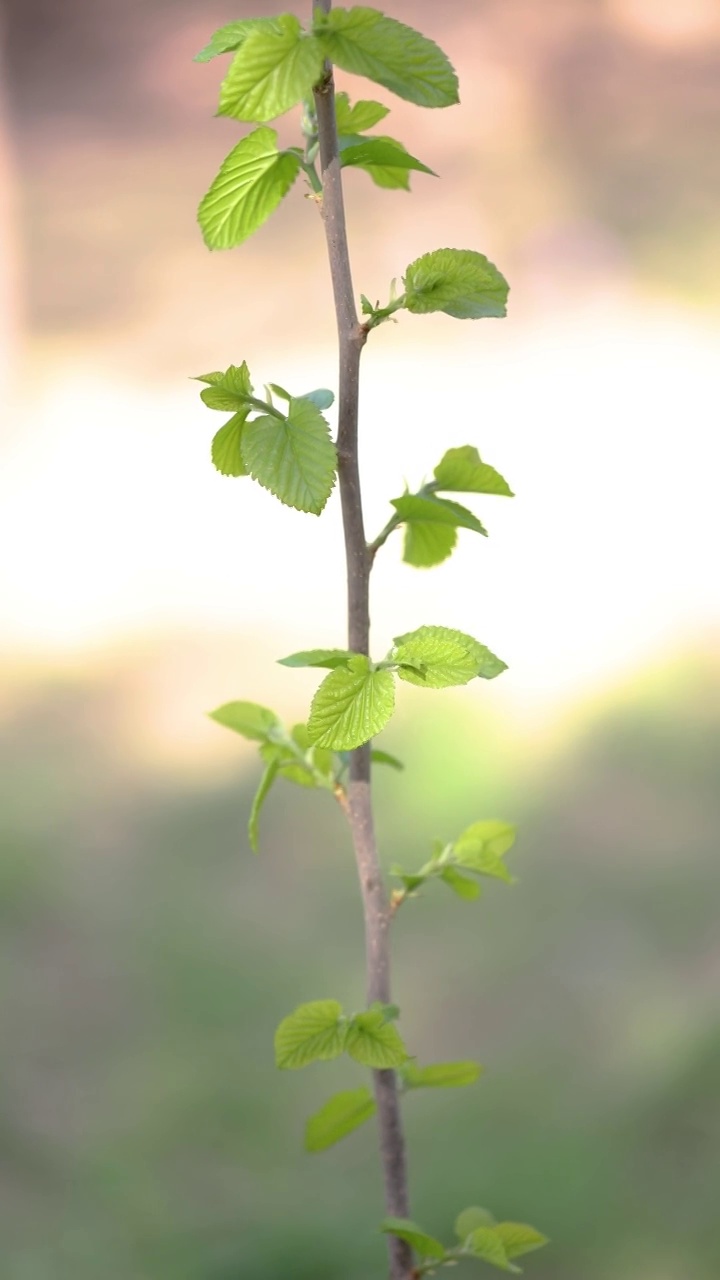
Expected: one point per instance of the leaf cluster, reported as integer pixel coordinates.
(480, 1236)
(287, 753)
(431, 522)
(320, 1030)
(276, 65)
(356, 700)
(478, 852)
(289, 452)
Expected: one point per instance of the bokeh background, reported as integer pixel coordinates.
(145, 955)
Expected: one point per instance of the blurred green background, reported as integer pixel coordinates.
(145, 956)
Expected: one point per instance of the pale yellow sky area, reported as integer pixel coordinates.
(605, 422)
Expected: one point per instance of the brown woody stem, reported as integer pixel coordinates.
(351, 339)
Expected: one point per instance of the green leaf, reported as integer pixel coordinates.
(228, 38)
(517, 1238)
(321, 397)
(438, 657)
(427, 543)
(497, 837)
(373, 1041)
(299, 735)
(251, 182)
(484, 1243)
(352, 704)
(384, 757)
(413, 506)
(317, 658)
(460, 282)
(294, 457)
(474, 857)
(386, 160)
(462, 885)
(339, 1116)
(274, 68)
(290, 765)
(464, 471)
(315, 1032)
(279, 391)
(225, 450)
(490, 665)
(366, 43)
(430, 525)
(259, 799)
(440, 1075)
(301, 774)
(427, 1246)
(230, 391)
(410, 880)
(362, 116)
(470, 1219)
(249, 719)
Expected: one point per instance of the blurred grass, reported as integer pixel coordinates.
(146, 958)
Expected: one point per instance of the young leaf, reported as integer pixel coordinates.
(427, 543)
(497, 837)
(460, 282)
(259, 799)
(225, 450)
(413, 506)
(462, 885)
(366, 43)
(410, 880)
(475, 857)
(438, 657)
(517, 1238)
(315, 1032)
(386, 160)
(301, 774)
(430, 525)
(384, 757)
(323, 763)
(274, 68)
(484, 1243)
(490, 665)
(321, 397)
(317, 658)
(251, 182)
(359, 118)
(291, 765)
(462, 470)
(470, 1219)
(440, 1075)
(279, 391)
(352, 704)
(373, 1041)
(228, 38)
(427, 1246)
(294, 457)
(230, 391)
(339, 1116)
(249, 719)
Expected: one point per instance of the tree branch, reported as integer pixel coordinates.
(351, 339)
